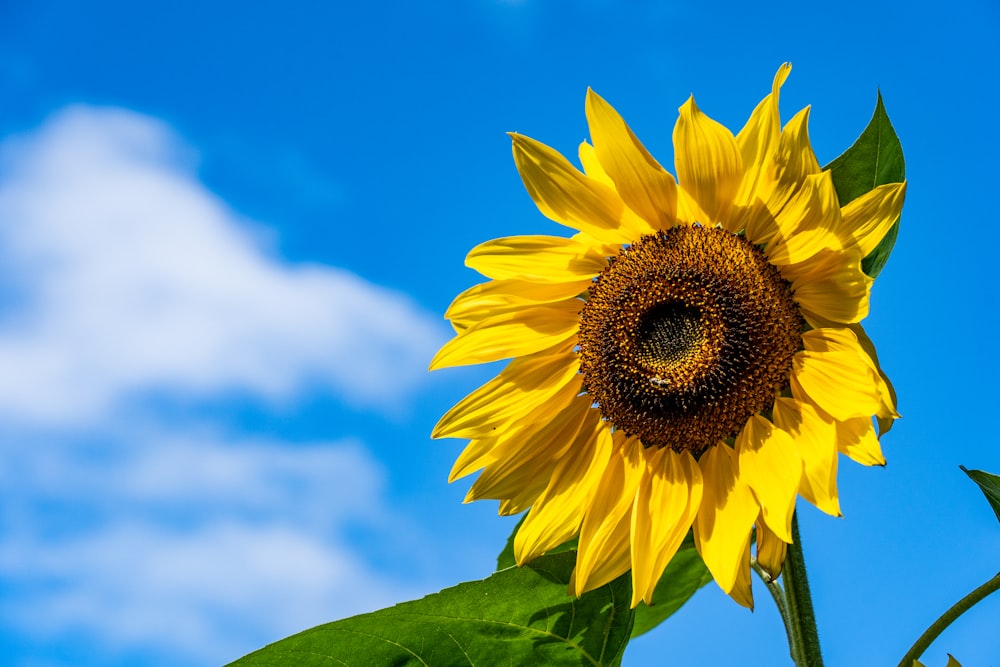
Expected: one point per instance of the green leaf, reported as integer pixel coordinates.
(685, 574)
(990, 485)
(875, 158)
(519, 616)
(506, 557)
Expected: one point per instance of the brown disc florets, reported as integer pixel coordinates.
(685, 335)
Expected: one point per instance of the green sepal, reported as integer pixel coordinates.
(519, 616)
(990, 486)
(875, 158)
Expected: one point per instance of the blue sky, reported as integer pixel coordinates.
(228, 232)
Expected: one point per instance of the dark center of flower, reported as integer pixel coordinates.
(685, 335)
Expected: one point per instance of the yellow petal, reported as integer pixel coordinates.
(538, 258)
(769, 463)
(642, 183)
(511, 506)
(526, 383)
(835, 375)
(511, 335)
(565, 195)
(758, 140)
(477, 454)
(556, 515)
(807, 223)
(665, 506)
(689, 211)
(708, 161)
(526, 459)
(758, 223)
(491, 298)
(742, 593)
(728, 510)
(886, 414)
(867, 218)
(856, 438)
(604, 535)
(615, 561)
(592, 166)
(793, 161)
(816, 439)
(770, 550)
(831, 287)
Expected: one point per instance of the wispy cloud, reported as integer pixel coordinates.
(124, 274)
(123, 278)
(197, 547)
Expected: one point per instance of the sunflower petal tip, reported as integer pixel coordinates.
(439, 361)
(781, 75)
(744, 598)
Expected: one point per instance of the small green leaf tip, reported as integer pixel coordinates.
(990, 486)
(875, 158)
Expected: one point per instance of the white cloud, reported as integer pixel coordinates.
(121, 278)
(191, 548)
(209, 596)
(124, 274)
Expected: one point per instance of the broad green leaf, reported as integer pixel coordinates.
(875, 158)
(685, 574)
(990, 485)
(519, 616)
(506, 558)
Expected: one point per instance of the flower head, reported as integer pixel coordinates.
(690, 359)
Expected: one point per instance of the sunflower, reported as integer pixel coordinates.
(690, 359)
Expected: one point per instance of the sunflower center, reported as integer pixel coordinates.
(668, 334)
(685, 335)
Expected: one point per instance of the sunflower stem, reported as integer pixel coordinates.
(947, 618)
(778, 595)
(803, 639)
